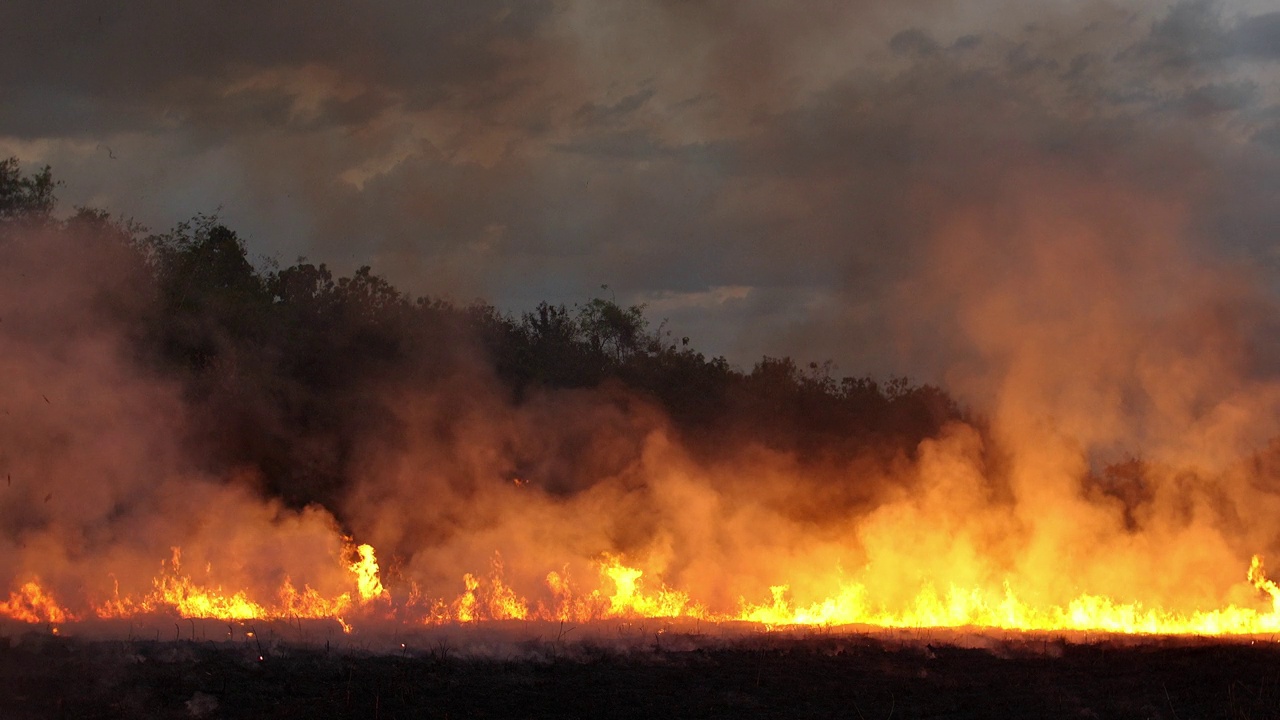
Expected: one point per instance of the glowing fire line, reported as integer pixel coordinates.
(491, 599)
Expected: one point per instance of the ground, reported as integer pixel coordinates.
(830, 674)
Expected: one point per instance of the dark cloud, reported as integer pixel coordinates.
(1269, 137)
(186, 58)
(781, 172)
(1021, 61)
(1191, 34)
(1216, 98)
(913, 42)
(1197, 32)
(627, 145)
(1258, 36)
(591, 113)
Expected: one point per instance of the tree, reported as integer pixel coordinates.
(25, 198)
(303, 285)
(209, 291)
(614, 331)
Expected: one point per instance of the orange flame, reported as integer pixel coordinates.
(33, 604)
(851, 605)
(626, 592)
(365, 569)
(176, 592)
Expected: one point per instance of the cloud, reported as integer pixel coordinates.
(529, 151)
(1258, 36)
(913, 42)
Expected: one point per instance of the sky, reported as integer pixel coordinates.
(830, 180)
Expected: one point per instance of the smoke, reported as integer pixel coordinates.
(1128, 399)
(1121, 384)
(532, 151)
(97, 485)
(1080, 318)
(1067, 221)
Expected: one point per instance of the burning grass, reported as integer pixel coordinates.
(622, 595)
(191, 458)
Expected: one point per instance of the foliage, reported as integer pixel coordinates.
(25, 197)
(284, 366)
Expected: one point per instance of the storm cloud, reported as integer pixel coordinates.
(775, 178)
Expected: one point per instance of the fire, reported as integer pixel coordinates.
(504, 604)
(310, 604)
(956, 607)
(630, 600)
(568, 606)
(491, 599)
(33, 604)
(626, 592)
(189, 599)
(366, 572)
(1261, 582)
(972, 608)
(466, 604)
(175, 592)
(179, 593)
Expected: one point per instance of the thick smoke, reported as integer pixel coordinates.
(682, 151)
(1128, 402)
(1065, 216)
(1128, 405)
(1118, 443)
(97, 485)
(1093, 333)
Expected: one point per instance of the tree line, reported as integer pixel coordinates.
(280, 361)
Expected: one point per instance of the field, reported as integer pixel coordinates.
(631, 671)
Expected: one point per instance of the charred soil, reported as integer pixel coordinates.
(767, 675)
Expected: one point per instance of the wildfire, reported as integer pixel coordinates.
(629, 598)
(177, 593)
(33, 604)
(972, 608)
(624, 592)
(365, 568)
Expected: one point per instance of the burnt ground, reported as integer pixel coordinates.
(820, 675)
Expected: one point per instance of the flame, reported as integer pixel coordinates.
(310, 604)
(192, 600)
(972, 608)
(466, 604)
(568, 606)
(1260, 581)
(33, 604)
(626, 592)
(181, 594)
(178, 593)
(366, 572)
(630, 600)
(491, 598)
(504, 604)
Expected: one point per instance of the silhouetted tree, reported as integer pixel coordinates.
(210, 293)
(25, 198)
(287, 369)
(616, 332)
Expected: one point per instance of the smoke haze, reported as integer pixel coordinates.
(679, 152)
(1064, 215)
